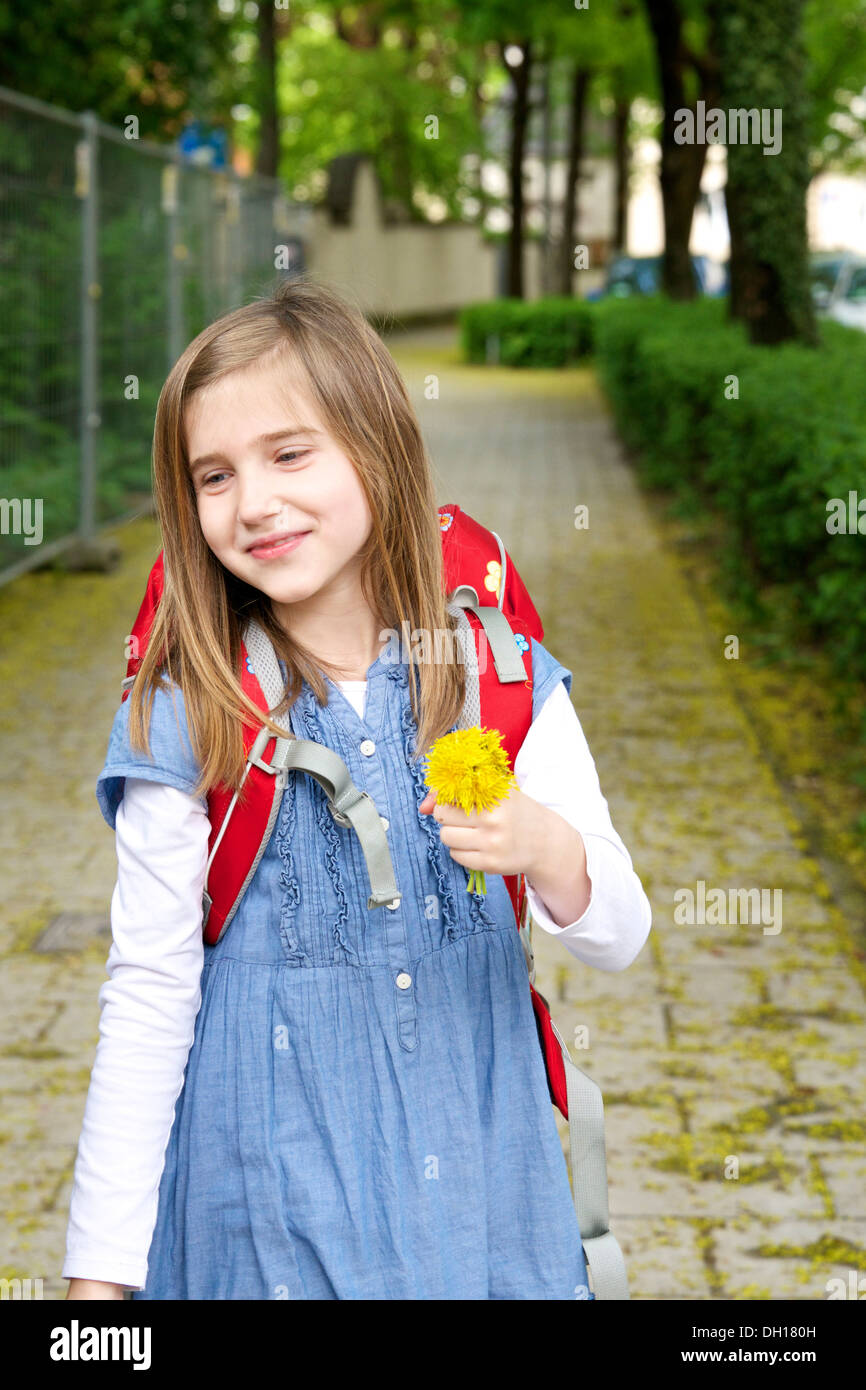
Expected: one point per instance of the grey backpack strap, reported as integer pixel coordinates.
(587, 1162)
(350, 807)
(589, 1180)
(348, 804)
(497, 629)
(506, 658)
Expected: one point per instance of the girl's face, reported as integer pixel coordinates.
(280, 505)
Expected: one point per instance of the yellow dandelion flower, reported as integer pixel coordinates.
(469, 768)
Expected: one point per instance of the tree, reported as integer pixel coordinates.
(607, 51)
(682, 70)
(267, 157)
(370, 78)
(581, 78)
(621, 164)
(512, 27)
(519, 73)
(154, 60)
(763, 66)
(626, 74)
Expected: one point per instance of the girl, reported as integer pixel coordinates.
(332, 1101)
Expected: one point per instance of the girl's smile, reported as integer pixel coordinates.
(269, 550)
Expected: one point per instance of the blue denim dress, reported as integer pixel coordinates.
(365, 1111)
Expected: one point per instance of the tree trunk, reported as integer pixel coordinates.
(621, 161)
(546, 163)
(580, 81)
(519, 121)
(682, 165)
(268, 152)
(480, 190)
(738, 271)
(761, 51)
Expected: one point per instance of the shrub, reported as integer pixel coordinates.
(518, 333)
(770, 460)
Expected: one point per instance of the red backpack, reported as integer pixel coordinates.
(488, 587)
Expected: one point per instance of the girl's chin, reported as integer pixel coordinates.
(274, 575)
(286, 592)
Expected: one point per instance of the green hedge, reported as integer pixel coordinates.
(516, 333)
(769, 460)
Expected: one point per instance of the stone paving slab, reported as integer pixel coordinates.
(718, 1042)
(788, 1259)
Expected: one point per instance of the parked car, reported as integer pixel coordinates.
(628, 275)
(839, 287)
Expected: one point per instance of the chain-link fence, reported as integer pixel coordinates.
(114, 253)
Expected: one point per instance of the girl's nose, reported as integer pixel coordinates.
(256, 503)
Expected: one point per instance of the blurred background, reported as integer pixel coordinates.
(618, 250)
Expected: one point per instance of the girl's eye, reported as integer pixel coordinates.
(292, 457)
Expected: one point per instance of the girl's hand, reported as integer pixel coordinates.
(521, 836)
(93, 1289)
(507, 839)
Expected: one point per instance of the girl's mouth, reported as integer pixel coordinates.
(268, 552)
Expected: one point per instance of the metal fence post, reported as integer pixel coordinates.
(171, 176)
(234, 208)
(87, 188)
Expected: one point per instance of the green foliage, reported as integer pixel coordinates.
(835, 34)
(769, 460)
(345, 87)
(122, 57)
(540, 333)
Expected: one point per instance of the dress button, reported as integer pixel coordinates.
(393, 905)
(384, 822)
(368, 747)
(403, 980)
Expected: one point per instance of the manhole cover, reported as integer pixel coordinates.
(72, 931)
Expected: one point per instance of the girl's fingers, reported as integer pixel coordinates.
(447, 815)
(460, 837)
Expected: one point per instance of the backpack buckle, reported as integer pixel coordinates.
(524, 934)
(347, 800)
(277, 764)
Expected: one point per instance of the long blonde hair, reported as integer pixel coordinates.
(198, 625)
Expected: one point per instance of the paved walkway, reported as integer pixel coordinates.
(730, 1056)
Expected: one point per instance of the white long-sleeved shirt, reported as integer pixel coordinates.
(150, 1001)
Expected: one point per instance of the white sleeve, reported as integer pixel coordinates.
(148, 1010)
(554, 766)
